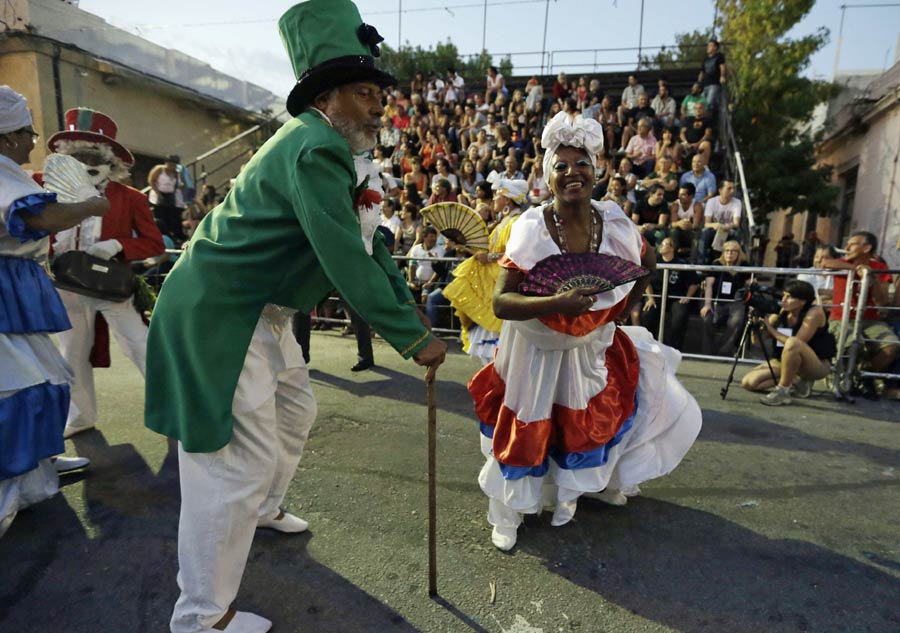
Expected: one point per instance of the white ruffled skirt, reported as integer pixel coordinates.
(664, 426)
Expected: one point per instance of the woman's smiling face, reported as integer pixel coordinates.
(571, 174)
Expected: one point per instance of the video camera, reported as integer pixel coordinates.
(760, 298)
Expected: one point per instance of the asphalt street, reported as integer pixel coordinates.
(779, 519)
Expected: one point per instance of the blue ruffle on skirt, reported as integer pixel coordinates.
(28, 301)
(32, 204)
(31, 427)
(593, 458)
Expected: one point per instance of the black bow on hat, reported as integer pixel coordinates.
(369, 36)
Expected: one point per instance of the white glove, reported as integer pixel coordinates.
(107, 249)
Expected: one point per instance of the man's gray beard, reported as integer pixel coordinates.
(356, 136)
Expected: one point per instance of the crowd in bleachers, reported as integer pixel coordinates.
(441, 140)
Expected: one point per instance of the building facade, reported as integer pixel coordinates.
(163, 101)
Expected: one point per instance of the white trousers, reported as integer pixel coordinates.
(75, 345)
(223, 494)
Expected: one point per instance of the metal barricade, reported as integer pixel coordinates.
(848, 367)
(850, 340)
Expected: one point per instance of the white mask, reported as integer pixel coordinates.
(98, 174)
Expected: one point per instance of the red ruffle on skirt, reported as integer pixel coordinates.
(518, 443)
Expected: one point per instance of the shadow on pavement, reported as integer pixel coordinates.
(452, 396)
(694, 571)
(117, 572)
(727, 427)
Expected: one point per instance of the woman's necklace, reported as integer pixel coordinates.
(594, 242)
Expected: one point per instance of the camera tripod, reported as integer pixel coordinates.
(751, 324)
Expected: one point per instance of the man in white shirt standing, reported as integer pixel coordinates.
(722, 220)
(456, 87)
(435, 89)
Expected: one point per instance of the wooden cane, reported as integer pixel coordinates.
(431, 399)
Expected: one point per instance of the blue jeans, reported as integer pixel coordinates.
(712, 94)
(433, 301)
(705, 251)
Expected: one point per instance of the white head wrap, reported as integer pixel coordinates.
(14, 112)
(562, 130)
(515, 190)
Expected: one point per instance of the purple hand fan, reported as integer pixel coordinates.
(560, 273)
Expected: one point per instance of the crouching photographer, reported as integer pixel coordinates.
(800, 329)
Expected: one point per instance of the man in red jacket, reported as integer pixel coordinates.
(128, 233)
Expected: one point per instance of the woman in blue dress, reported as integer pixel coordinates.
(34, 390)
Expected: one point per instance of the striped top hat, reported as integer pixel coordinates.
(329, 46)
(84, 124)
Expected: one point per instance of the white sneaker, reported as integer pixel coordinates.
(74, 429)
(610, 495)
(777, 397)
(802, 388)
(564, 512)
(68, 464)
(244, 622)
(504, 538)
(286, 522)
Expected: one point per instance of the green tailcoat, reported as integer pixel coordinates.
(286, 234)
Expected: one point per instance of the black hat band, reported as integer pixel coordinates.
(356, 61)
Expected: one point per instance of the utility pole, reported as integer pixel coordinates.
(840, 37)
(484, 28)
(641, 35)
(544, 46)
(399, 25)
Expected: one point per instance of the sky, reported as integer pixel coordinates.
(241, 39)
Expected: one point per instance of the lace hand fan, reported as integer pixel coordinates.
(458, 222)
(560, 273)
(68, 179)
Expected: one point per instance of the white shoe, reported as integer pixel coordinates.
(244, 622)
(802, 388)
(68, 464)
(564, 512)
(74, 429)
(504, 538)
(631, 491)
(287, 523)
(611, 496)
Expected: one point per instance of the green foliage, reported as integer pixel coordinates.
(404, 63)
(688, 52)
(144, 296)
(771, 102)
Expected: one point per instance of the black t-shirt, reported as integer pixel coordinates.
(648, 214)
(695, 128)
(712, 69)
(679, 280)
(727, 284)
(636, 114)
(822, 341)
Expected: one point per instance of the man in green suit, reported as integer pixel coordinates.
(224, 374)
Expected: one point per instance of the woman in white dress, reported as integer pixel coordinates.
(34, 389)
(572, 403)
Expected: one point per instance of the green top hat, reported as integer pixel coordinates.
(329, 45)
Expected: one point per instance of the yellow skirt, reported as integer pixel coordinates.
(471, 295)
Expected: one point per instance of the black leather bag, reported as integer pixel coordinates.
(84, 274)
